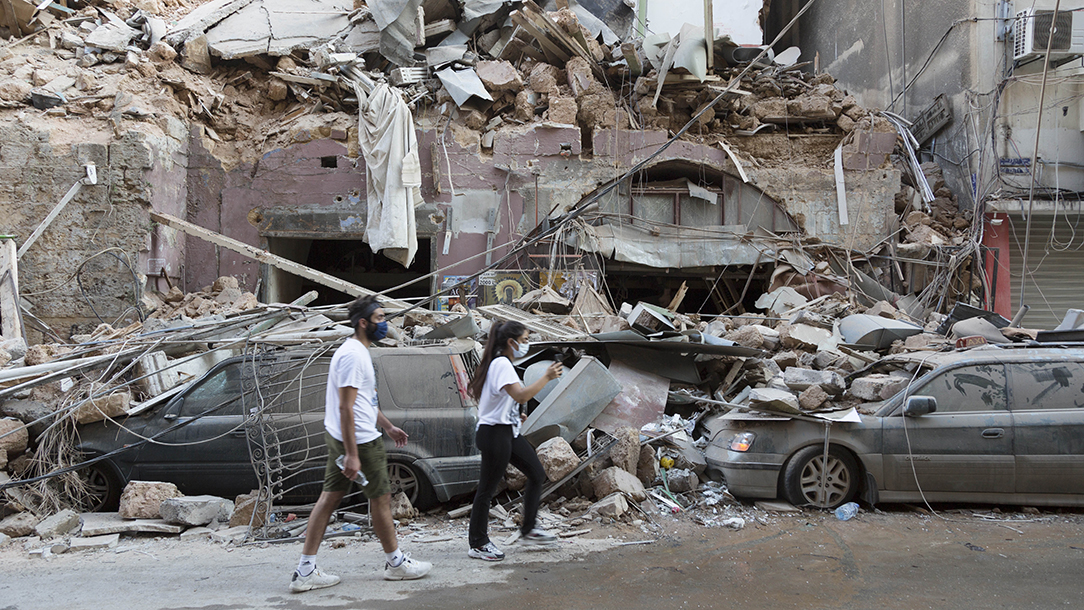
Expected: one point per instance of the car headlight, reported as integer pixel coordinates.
(742, 441)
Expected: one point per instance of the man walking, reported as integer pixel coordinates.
(351, 420)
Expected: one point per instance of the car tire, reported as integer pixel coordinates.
(409, 480)
(802, 484)
(103, 487)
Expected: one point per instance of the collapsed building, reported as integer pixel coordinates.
(499, 158)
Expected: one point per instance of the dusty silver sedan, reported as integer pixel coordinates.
(990, 425)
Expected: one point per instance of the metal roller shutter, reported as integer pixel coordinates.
(1057, 268)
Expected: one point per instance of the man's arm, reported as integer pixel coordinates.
(347, 396)
(396, 434)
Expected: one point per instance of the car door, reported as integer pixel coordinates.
(420, 393)
(1048, 413)
(965, 446)
(208, 453)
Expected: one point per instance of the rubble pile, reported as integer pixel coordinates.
(487, 66)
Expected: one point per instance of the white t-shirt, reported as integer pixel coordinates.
(352, 366)
(495, 406)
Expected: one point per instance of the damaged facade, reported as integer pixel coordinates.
(743, 228)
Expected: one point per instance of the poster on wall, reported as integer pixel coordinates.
(467, 294)
(504, 287)
(568, 283)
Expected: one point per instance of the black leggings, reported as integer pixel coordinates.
(498, 447)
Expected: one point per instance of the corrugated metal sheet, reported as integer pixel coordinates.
(1056, 264)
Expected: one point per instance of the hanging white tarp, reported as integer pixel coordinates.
(670, 247)
(392, 173)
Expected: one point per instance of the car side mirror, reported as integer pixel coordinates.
(919, 405)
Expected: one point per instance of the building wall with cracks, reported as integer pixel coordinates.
(90, 265)
(314, 190)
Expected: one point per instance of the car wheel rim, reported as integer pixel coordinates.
(825, 493)
(403, 479)
(97, 486)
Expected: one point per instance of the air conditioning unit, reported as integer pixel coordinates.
(1031, 32)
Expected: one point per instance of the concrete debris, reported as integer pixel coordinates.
(616, 479)
(401, 508)
(95, 543)
(142, 499)
(13, 436)
(249, 510)
(100, 524)
(558, 458)
(19, 524)
(613, 506)
(60, 524)
(196, 510)
(625, 454)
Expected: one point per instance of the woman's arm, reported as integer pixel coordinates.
(522, 394)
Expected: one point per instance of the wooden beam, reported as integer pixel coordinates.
(11, 320)
(278, 262)
(709, 32)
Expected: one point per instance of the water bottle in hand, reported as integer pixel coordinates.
(846, 511)
(359, 478)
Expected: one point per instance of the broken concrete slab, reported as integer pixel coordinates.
(234, 534)
(812, 398)
(877, 387)
(801, 379)
(112, 36)
(19, 524)
(780, 300)
(558, 458)
(196, 22)
(98, 524)
(612, 506)
(774, 399)
(142, 499)
(615, 479)
(196, 533)
(63, 522)
(94, 543)
(195, 510)
(104, 407)
(776, 506)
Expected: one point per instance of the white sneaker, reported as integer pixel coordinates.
(486, 552)
(410, 569)
(315, 580)
(537, 537)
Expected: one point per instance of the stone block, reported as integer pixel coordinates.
(800, 379)
(562, 110)
(59, 524)
(612, 506)
(195, 510)
(647, 467)
(514, 478)
(772, 398)
(97, 409)
(196, 56)
(812, 398)
(196, 533)
(771, 107)
(401, 508)
(615, 479)
(499, 76)
(160, 52)
(13, 436)
(3, 458)
(543, 78)
(94, 543)
(142, 499)
(19, 524)
(13, 90)
(234, 534)
(682, 480)
(277, 89)
(883, 309)
(580, 78)
(759, 371)
(244, 507)
(877, 387)
(626, 452)
(785, 359)
(557, 457)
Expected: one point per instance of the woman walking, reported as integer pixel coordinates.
(499, 392)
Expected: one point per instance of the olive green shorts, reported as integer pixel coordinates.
(374, 463)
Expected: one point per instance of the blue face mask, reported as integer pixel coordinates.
(521, 350)
(377, 332)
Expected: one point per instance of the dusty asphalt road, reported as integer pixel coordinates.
(896, 559)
